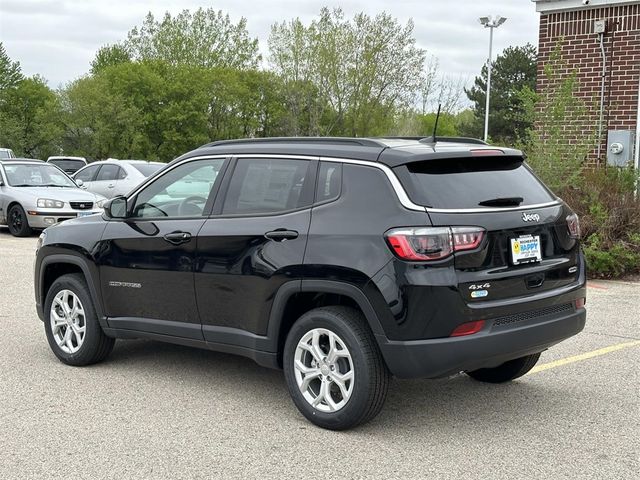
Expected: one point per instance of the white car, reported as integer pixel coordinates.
(70, 165)
(36, 195)
(6, 153)
(111, 177)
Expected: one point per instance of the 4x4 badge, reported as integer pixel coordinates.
(530, 217)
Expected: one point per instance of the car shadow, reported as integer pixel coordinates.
(4, 232)
(456, 404)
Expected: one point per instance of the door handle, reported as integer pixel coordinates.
(111, 186)
(177, 237)
(281, 234)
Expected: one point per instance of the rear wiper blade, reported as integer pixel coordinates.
(502, 202)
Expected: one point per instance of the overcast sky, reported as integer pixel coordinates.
(58, 39)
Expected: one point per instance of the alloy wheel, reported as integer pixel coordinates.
(324, 370)
(68, 321)
(16, 219)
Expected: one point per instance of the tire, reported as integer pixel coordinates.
(365, 392)
(17, 222)
(507, 371)
(86, 348)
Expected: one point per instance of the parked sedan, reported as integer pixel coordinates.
(6, 153)
(69, 164)
(115, 177)
(36, 195)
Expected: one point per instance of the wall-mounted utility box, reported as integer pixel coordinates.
(600, 26)
(620, 147)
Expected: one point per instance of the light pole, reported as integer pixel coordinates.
(490, 23)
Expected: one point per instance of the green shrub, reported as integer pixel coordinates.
(609, 219)
(614, 261)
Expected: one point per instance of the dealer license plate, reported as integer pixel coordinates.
(85, 214)
(526, 249)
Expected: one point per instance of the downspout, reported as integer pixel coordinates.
(604, 76)
(636, 160)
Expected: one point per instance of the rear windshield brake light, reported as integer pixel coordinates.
(485, 152)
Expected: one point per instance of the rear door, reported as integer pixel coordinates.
(123, 183)
(253, 243)
(527, 246)
(106, 181)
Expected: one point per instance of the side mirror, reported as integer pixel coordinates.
(116, 208)
(79, 182)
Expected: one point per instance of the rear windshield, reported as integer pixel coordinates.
(147, 169)
(474, 182)
(66, 164)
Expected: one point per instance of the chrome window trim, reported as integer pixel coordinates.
(404, 199)
(490, 210)
(407, 203)
(395, 183)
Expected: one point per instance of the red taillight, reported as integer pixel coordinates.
(580, 303)
(468, 328)
(466, 238)
(432, 243)
(573, 224)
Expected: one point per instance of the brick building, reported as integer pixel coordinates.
(593, 32)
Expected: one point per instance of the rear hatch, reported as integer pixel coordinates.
(527, 246)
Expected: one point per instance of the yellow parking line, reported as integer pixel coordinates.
(584, 356)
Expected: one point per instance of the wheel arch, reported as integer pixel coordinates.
(55, 266)
(298, 297)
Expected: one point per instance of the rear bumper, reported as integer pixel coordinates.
(494, 345)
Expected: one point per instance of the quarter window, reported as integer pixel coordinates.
(260, 186)
(329, 181)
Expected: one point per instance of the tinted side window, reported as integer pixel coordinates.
(121, 173)
(182, 192)
(329, 181)
(108, 172)
(87, 174)
(268, 186)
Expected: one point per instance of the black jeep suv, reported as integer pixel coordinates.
(341, 260)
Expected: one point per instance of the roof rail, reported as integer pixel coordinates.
(363, 142)
(395, 137)
(439, 139)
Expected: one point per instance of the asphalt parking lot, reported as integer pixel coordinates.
(154, 410)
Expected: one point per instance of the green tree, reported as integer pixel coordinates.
(365, 69)
(204, 38)
(10, 72)
(512, 71)
(108, 56)
(148, 110)
(30, 119)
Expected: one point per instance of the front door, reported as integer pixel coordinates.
(253, 243)
(147, 261)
